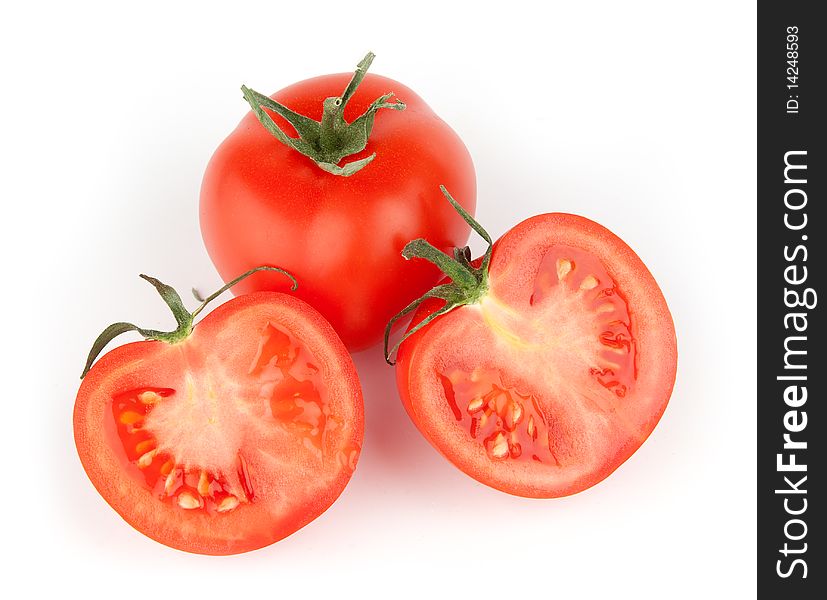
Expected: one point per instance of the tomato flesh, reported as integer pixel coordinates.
(558, 374)
(229, 440)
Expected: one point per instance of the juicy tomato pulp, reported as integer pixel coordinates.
(342, 237)
(558, 375)
(230, 440)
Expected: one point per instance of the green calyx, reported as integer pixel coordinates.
(468, 283)
(329, 141)
(183, 317)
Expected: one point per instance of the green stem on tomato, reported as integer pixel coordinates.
(468, 283)
(183, 317)
(332, 139)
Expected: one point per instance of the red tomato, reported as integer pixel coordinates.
(231, 439)
(556, 373)
(263, 202)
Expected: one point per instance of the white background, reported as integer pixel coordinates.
(639, 115)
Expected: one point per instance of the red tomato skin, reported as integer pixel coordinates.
(264, 203)
(653, 320)
(250, 530)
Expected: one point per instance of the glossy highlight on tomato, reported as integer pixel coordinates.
(262, 202)
(230, 439)
(560, 370)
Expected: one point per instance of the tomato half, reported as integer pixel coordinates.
(263, 202)
(560, 370)
(231, 439)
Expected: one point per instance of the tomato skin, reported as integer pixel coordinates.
(463, 332)
(223, 339)
(264, 203)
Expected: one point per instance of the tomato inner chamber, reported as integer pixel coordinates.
(508, 423)
(188, 444)
(574, 286)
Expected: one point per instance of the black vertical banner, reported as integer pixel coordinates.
(792, 371)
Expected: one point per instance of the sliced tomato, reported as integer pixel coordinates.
(557, 373)
(231, 439)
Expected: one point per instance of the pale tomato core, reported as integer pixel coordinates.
(576, 327)
(187, 445)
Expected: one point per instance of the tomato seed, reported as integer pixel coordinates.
(145, 446)
(130, 417)
(146, 459)
(227, 504)
(169, 482)
(513, 415)
(475, 405)
(188, 500)
(149, 397)
(564, 267)
(589, 283)
(204, 484)
(497, 446)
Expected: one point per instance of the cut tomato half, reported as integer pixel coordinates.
(556, 373)
(231, 439)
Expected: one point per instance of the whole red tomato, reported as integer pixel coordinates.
(336, 205)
